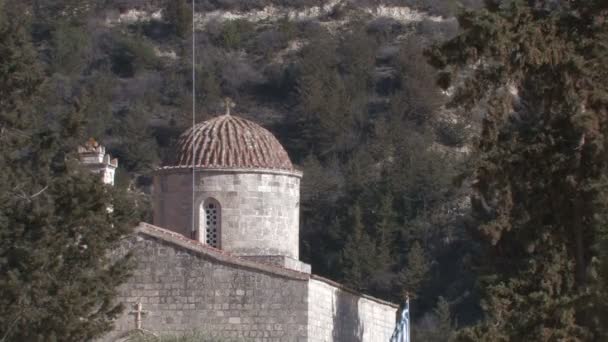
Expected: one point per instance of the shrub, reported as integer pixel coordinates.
(452, 134)
(71, 46)
(235, 33)
(130, 54)
(179, 15)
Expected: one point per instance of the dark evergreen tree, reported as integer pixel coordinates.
(20, 73)
(445, 326)
(538, 71)
(358, 255)
(138, 148)
(58, 222)
(415, 272)
(435, 326)
(179, 15)
(385, 229)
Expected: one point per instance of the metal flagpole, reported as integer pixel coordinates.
(402, 330)
(193, 228)
(407, 319)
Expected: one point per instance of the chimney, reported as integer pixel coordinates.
(93, 156)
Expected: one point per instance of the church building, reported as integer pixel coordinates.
(222, 255)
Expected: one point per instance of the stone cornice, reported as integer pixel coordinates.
(183, 169)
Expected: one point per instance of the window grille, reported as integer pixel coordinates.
(212, 223)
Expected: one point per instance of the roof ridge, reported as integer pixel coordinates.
(217, 254)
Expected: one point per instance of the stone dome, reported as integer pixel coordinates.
(228, 141)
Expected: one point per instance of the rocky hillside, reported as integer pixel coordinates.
(250, 38)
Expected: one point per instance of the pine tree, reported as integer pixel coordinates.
(358, 255)
(416, 271)
(385, 224)
(445, 325)
(137, 147)
(179, 15)
(435, 326)
(385, 232)
(20, 75)
(538, 70)
(58, 222)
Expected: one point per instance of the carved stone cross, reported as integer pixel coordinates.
(229, 105)
(138, 313)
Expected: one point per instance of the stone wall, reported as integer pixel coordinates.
(281, 261)
(259, 209)
(185, 286)
(184, 290)
(337, 314)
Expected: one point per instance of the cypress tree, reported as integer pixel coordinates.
(386, 226)
(58, 222)
(416, 271)
(445, 326)
(538, 71)
(179, 15)
(358, 255)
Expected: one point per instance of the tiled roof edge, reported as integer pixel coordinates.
(214, 253)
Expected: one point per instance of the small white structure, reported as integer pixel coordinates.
(93, 156)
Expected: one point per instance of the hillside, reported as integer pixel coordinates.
(344, 86)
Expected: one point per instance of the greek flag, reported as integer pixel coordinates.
(402, 331)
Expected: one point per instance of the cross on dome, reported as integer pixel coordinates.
(229, 104)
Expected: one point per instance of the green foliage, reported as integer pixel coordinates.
(179, 15)
(58, 222)
(208, 86)
(437, 326)
(537, 70)
(288, 28)
(359, 254)
(138, 149)
(416, 270)
(235, 33)
(380, 162)
(418, 98)
(71, 46)
(130, 54)
(452, 133)
(386, 225)
(444, 317)
(20, 74)
(74, 12)
(327, 104)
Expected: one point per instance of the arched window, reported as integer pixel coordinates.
(212, 224)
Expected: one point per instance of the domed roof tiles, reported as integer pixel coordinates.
(229, 141)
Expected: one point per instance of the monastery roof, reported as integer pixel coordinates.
(214, 253)
(228, 141)
(229, 258)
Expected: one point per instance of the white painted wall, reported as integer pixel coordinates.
(336, 315)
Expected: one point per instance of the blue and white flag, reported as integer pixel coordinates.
(402, 330)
